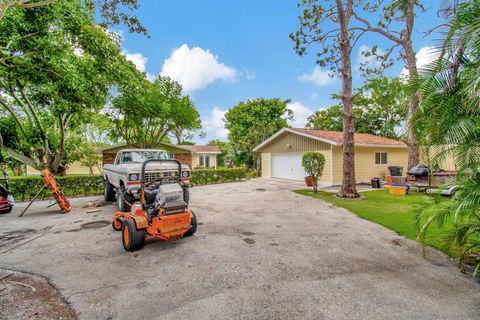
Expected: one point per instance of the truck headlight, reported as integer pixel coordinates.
(133, 177)
(185, 174)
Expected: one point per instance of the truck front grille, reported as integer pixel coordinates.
(152, 176)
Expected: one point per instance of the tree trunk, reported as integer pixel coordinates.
(413, 153)
(348, 189)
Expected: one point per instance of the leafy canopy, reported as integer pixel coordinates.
(253, 121)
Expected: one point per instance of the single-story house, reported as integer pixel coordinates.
(192, 156)
(281, 155)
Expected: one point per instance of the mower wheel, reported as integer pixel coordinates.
(193, 229)
(108, 193)
(117, 224)
(132, 238)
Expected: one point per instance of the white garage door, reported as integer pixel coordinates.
(287, 166)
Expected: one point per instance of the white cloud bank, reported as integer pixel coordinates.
(195, 68)
(318, 76)
(300, 114)
(214, 124)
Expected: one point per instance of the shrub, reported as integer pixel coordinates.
(313, 163)
(208, 176)
(26, 187)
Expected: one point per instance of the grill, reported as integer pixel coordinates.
(152, 176)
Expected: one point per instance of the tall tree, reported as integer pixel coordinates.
(396, 23)
(144, 113)
(57, 66)
(328, 25)
(253, 121)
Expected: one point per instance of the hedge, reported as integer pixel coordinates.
(209, 176)
(25, 188)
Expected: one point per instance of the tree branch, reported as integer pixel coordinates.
(377, 30)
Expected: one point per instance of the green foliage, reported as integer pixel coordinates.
(25, 187)
(380, 107)
(449, 119)
(251, 122)
(221, 175)
(144, 113)
(313, 163)
(225, 150)
(57, 67)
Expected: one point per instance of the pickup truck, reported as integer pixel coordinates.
(122, 178)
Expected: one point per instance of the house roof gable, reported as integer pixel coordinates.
(336, 138)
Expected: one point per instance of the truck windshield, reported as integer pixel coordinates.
(141, 156)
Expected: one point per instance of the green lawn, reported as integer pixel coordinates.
(394, 212)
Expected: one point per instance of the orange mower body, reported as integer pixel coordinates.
(142, 223)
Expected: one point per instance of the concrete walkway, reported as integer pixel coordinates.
(260, 252)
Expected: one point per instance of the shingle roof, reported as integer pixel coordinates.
(359, 138)
(200, 149)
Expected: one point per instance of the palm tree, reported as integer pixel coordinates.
(449, 119)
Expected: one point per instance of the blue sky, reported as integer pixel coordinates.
(224, 52)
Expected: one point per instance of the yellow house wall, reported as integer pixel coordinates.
(265, 161)
(365, 167)
(297, 144)
(447, 163)
(196, 159)
(74, 168)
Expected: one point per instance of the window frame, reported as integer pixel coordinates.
(380, 158)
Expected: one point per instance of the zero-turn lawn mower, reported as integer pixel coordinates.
(161, 214)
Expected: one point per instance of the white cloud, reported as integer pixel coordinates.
(138, 59)
(318, 76)
(314, 96)
(214, 124)
(195, 68)
(424, 56)
(300, 114)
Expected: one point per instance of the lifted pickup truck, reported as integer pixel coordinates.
(123, 177)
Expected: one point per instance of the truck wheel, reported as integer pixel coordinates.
(108, 193)
(193, 229)
(132, 238)
(121, 197)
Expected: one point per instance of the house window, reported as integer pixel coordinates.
(381, 158)
(204, 161)
(207, 161)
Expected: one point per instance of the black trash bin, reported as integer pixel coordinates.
(395, 171)
(375, 183)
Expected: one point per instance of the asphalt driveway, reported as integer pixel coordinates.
(260, 252)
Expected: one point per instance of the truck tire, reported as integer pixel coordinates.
(193, 229)
(121, 197)
(132, 238)
(109, 192)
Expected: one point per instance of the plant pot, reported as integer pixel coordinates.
(309, 181)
